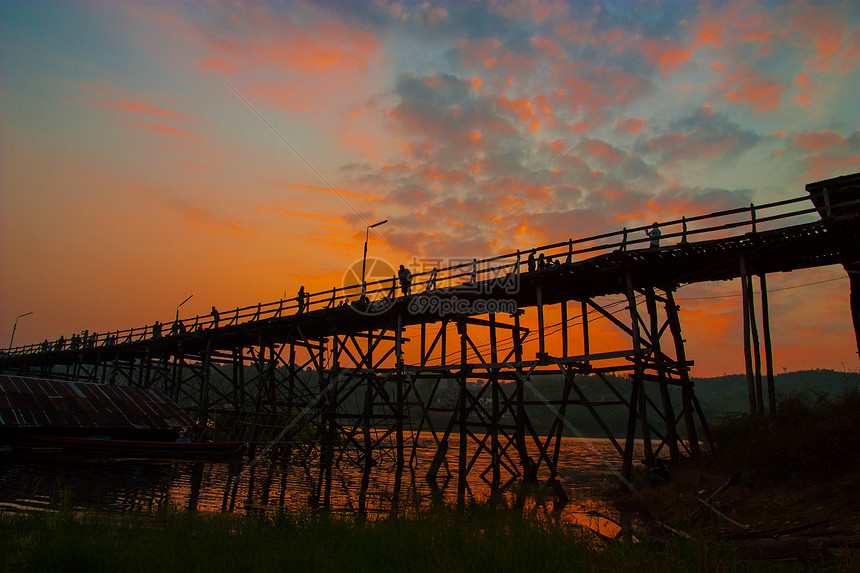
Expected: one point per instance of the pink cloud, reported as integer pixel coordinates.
(825, 30)
(808, 88)
(603, 150)
(851, 54)
(815, 141)
(137, 107)
(667, 54)
(219, 64)
(167, 130)
(750, 87)
(630, 125)
(522, 109)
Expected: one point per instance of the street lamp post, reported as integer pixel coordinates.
(180, 304)
(364, 258)
(14, 326)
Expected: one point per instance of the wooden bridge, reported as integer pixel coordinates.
(354, 375)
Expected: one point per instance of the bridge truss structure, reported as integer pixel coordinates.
(465, 359)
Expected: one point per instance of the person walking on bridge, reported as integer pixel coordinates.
(300, 297)
(216, 318)
(654, 233)
(405, 280)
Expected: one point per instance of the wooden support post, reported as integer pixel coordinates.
(204, 386)
(853, 271)
(541, 333)
(756, 350)
(768, 350)
(398, 353)
(494, 408)
(520, 436)
(442, 342)
(686, 384)
(668, 411)
(366, 415)
(463, 413)
(747, 349)
(585, 343)
(560, 419)
(563, 328)
(638, 371)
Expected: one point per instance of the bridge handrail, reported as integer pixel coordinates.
(479, 270)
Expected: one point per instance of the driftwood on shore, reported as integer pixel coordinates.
(722, 515)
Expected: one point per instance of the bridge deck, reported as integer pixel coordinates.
(831, 240)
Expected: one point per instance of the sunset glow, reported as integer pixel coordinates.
(153, 150)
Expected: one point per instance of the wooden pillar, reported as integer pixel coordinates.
(638, 392)
(853, 271)
(366, 415)
(668, 410)
(564, 328)
(585, 343)
(463, 413)
(399, 410)
(520, 436)
(541, 334)
(756, 347)
(686, 384)
(768, 350)
(639, 370)
(204, 386)
(494, 408)
(747, 349)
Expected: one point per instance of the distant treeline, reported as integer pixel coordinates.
(718, 396)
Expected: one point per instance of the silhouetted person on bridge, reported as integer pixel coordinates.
(531, 261)
(300, 297)
(654, 233)
(541, 262)
(216, 318)
(60, 344)
(46, 346)
(156, 330)
(405, 280)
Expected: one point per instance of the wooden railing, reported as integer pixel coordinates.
(732, 222)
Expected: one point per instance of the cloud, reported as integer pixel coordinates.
(703, 136)
(824, 30)
(630, 125)
(748, 86)
(167, 130)
(666, 54)
(204, 218)
(138, 107)
(825, 153)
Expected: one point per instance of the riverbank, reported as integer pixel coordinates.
(785, 486)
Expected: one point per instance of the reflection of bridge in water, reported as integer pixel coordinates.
(359, 383)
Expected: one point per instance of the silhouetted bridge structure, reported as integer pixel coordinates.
(358, 383)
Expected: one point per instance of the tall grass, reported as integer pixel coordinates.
(477, 539)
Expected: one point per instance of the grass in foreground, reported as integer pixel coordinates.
(479, 539)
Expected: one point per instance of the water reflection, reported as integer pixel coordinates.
(36, 482)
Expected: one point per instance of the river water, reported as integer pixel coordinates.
(35, 482)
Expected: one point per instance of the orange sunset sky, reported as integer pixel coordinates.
(154, 150)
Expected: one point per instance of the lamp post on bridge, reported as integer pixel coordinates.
(180, 304)
(364, 258)
(14, 326)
